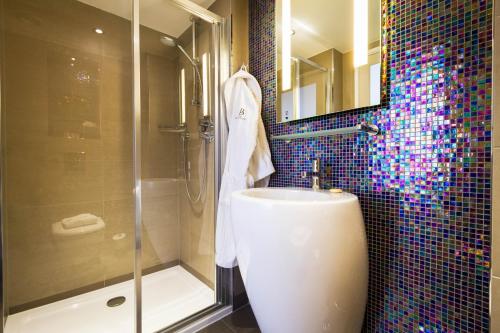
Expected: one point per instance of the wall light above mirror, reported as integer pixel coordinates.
(329, 56)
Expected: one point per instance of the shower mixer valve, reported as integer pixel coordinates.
(207, 129)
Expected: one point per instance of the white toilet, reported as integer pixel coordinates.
(303, 258)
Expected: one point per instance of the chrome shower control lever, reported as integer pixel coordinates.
(207, 129)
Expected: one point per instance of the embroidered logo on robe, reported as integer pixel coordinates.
(242, 114)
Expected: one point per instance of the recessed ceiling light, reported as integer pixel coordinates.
(98, 31)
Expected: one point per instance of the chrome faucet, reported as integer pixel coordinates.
(315, 174)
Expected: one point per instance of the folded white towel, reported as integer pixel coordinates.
(79, 221)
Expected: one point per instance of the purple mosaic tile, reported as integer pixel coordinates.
(424, 183)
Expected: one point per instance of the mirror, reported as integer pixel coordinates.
(329, 56)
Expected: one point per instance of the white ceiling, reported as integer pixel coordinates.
(159, 15)
(320, 25)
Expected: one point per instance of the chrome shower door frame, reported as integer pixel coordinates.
(221, 65)
(137, 158)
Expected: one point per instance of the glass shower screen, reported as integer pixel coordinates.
(177, 164)
(110, 164)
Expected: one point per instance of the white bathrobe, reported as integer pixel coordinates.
(248, 158)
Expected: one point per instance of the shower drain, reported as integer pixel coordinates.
(116, 301)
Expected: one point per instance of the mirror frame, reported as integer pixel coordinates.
(384, 65)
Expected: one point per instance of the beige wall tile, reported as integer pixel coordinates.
(495, 304)
(33, 248)
(160, 100)
(116, 90)
(198, 226)
(161, 224)
(57, 168)
(64, 179)
(118, 254)
(118, 179)
(54, 170)
(117, 140)
(239, 25)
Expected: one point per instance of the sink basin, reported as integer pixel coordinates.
(303, 258)
(293, 195)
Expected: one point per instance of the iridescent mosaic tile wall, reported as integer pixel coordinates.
(424, 183)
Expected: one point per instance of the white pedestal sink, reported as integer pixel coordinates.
(303, 258)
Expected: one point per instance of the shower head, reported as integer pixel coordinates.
(168, 41)
(171, 42)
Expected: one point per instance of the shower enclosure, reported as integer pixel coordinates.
(111, 142)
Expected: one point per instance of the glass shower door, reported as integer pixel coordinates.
(109, 167)
(68, 205)
(177, 165)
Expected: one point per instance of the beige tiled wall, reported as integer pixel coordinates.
(197, 222)
(197, 219)
(239, 42)
(495, 281)
(55, 167)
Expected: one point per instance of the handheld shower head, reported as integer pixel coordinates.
(168, 41)
(171, 42)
